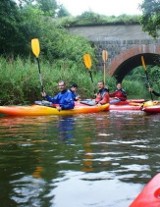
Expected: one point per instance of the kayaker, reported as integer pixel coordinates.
(154, 92)
(102, 97)
(64, 98)
(118, 95)
(73, 90)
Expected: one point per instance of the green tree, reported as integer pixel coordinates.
(48, 7)
(10, 34)
(151, 17)
(62, 12)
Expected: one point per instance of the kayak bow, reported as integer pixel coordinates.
(150, 195)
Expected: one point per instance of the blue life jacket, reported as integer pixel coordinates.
(63, 98)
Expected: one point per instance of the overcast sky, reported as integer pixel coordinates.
(106, 7)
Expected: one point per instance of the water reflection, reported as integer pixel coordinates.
(66, 127)
(84, 160)
(88, 156)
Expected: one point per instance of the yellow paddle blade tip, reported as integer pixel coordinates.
(35, 47)
(87, 60)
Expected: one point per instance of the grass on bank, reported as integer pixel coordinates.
(19, 81)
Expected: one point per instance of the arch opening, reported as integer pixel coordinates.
(132, 62)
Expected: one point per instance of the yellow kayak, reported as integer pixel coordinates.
(38, 110)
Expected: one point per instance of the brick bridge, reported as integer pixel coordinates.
(125, 45)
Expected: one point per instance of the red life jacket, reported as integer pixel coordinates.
(102, 96)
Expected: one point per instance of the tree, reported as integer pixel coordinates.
(9, 23)
(62, 12)
(49, 7)
(151, 17)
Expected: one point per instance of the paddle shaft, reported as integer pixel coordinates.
(146, 73)
(90, 74)
(104, 57)
(148, 84)
(104, 72)
(40, 75)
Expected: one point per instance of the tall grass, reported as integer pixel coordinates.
(20, 84)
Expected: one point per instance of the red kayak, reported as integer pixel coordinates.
(128, 105)
(152, 109)
(150, 195)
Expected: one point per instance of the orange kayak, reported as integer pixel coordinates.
(38, 110)
(150, 195)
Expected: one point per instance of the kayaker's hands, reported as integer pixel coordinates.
(77, 98)
(43, 94)
(150, 89)
(98, 104)
(58, 108)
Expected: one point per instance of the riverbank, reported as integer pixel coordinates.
(20, 84)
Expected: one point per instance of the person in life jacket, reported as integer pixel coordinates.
(73, 90)
(102, 97)
(63, 99)
(118, 95)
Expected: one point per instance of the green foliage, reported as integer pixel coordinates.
(48, 7)
(137, 78)
(136, 89)
(19, 79)
(56, 42)
(62, 12)
(91, 18)
(10, 34)
(151, 17)
(135, 82)
(154, 74)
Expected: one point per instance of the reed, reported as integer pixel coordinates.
(19, 80)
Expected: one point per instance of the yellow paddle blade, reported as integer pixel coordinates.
(143, 62)
(87, 60)
(104, 55)
(150, 103)
(35, 47)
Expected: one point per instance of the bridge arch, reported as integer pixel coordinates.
(126, 61)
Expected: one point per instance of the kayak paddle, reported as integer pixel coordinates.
(88, 64)
(104, 57)
(36, 51)
(145, 69)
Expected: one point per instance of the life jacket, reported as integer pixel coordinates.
(63, 98)
(119, 93)
(102, 96)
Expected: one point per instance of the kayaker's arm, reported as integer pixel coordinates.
(156, 93)
(49, 98)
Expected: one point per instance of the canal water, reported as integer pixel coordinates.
(89, 160)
